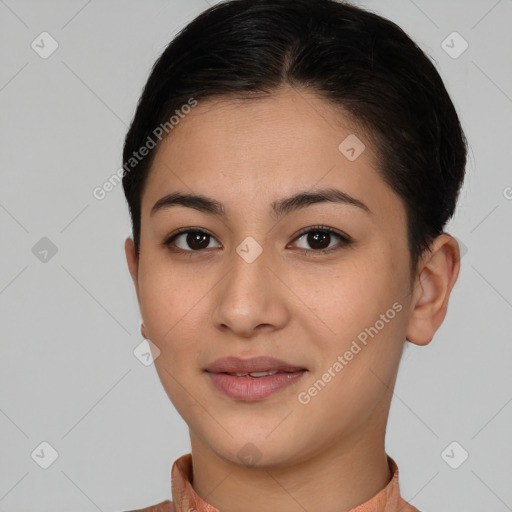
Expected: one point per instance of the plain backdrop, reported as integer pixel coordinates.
(73, 384)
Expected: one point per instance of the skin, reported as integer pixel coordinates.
(327, 454)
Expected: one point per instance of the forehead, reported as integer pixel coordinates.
(259, 150)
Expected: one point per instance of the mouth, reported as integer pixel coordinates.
(252, 379)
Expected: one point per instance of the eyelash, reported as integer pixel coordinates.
(345, 241)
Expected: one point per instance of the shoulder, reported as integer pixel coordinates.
(164, 506)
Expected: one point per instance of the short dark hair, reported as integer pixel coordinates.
(351, 57)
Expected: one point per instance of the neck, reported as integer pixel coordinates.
(337, 479)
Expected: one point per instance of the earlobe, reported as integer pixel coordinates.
(437, 275)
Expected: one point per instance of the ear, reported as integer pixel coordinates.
(133, 263)
(436, 277)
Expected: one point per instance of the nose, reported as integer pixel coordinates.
(251, 298)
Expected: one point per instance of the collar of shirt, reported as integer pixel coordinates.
(185, 499)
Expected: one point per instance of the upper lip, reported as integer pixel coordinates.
(253, 364)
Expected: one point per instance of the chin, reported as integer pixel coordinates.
(258, 451)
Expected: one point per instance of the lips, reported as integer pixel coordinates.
(252, 379)
(254, 366)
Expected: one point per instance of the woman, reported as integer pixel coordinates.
(289, 171)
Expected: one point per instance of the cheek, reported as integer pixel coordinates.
(345, 298)
(359, 314)
(168, 296)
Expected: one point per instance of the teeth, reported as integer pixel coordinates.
(262, 374)
(256, 374)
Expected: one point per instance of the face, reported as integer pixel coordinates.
(322, 285)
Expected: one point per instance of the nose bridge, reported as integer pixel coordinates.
(249, 262)
(248, 296)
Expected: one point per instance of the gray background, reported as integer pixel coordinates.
(70, 321)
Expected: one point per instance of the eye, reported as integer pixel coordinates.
(196, 239)
(319, 237)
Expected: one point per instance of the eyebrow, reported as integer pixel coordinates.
(279, 208)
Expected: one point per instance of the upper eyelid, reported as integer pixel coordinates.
(322, 228)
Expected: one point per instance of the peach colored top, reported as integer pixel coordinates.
(185, 498)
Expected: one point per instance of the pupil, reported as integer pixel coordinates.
(194, 237)
(316, 236)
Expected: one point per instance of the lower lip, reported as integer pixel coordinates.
(253, 388)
